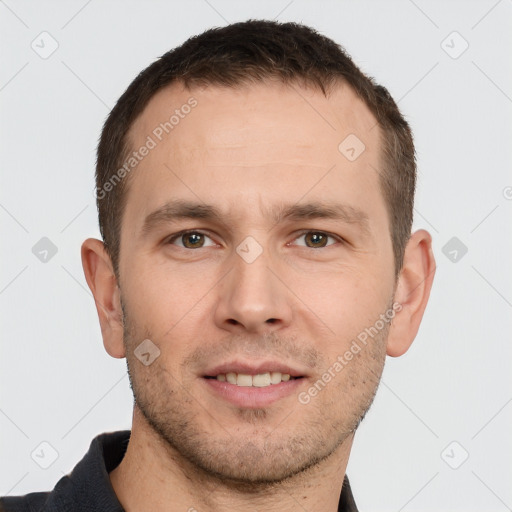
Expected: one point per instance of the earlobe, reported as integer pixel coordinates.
(101, 279)
(412, 292)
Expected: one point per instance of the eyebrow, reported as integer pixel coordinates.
(181, 209)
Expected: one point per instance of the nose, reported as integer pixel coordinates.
(252, 298)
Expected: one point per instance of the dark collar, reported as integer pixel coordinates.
(88, 487)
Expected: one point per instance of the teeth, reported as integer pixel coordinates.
(243, 380)
(275, 377)
(261, 380)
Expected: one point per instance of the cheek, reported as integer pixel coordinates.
(164, 296)
(171, 307)
(347, 301)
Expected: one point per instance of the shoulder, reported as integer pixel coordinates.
(33, 502)
(87, 488)
(56, 500)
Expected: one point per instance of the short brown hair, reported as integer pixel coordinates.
(251, 52)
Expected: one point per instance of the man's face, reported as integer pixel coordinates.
(251, 291)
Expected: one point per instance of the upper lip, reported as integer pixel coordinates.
(254, 368)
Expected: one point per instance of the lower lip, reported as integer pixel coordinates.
(251, 397)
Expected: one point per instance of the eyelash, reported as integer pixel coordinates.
(302, 233)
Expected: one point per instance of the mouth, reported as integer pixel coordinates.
(260, 380)
(250, 385)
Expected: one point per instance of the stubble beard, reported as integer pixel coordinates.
(258, 451)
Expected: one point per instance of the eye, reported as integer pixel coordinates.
(316, 239)
(191, 240)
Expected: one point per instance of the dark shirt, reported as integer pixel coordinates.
(88, 487)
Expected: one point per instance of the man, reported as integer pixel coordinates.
(255, 194)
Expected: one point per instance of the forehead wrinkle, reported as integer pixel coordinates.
(278, 213)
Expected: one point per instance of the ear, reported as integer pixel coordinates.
(412, 292)
(101, 279)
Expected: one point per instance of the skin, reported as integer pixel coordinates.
(245, 151)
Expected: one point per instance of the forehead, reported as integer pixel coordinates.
(251, 145)
(269, 113)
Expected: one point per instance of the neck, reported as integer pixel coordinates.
(154, 476)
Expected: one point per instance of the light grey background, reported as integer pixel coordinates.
(57, 383)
